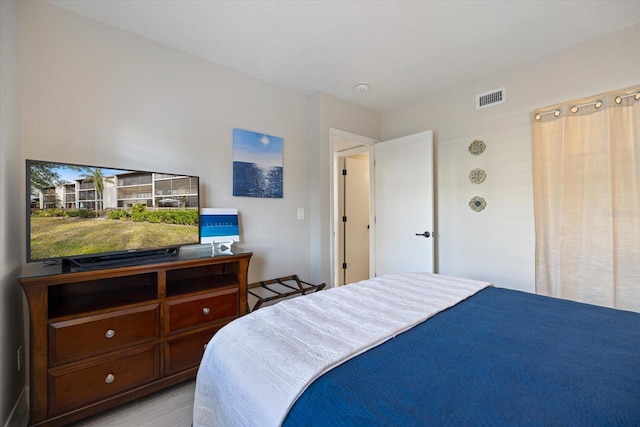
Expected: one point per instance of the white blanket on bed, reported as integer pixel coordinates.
(255, 368)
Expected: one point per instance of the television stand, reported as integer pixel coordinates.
(119, 260)
(105, 337)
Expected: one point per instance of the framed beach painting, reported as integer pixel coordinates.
(257, 164)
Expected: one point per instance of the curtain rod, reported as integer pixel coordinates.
(596, 104)
(619, 98)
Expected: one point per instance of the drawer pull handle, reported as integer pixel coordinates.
(206, 310)
(109, 379)
(110, 333)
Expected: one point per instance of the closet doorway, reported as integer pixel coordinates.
(354, 204)
(352, 207)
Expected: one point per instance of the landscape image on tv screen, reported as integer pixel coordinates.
(77, 210)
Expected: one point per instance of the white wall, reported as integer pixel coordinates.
(94, 94)
(498, 244)
(91, 93)
(329, 112)
(12, 382)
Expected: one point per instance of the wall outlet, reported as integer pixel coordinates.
(20, 355)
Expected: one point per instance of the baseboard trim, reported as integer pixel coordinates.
(19, 416)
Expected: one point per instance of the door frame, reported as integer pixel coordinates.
(345, 144)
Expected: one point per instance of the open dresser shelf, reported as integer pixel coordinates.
(104, 337)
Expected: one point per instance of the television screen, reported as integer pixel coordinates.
(78, 211)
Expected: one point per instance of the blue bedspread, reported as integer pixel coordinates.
(499, 358)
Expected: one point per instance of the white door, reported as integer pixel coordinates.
(403, 205)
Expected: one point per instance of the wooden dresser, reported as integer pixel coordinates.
(104, 337)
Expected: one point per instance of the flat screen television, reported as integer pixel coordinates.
(91, 216)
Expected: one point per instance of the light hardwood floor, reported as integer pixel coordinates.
(172, 407)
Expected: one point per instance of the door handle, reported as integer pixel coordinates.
(425, 234)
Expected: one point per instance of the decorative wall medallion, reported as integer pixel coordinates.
(477, 176)
(477, 204)
(477, 147)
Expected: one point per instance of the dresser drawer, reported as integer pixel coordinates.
(79, 338)
(185, 350)
(72, 388)
(200, 310)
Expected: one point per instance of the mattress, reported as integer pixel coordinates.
(423, 350)
(499, 358)
(255, 368)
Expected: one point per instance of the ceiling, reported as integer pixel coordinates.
(405, 50)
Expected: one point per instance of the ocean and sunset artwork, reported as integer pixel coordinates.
(257, 164)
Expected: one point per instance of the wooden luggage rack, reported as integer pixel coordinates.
(280, 288)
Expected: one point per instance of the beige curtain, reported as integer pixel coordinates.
(586, 171)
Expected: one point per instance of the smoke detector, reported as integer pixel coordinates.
(362, 87)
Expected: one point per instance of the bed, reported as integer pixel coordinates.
(420, 349)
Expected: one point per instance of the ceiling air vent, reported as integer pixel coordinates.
(491, 98)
